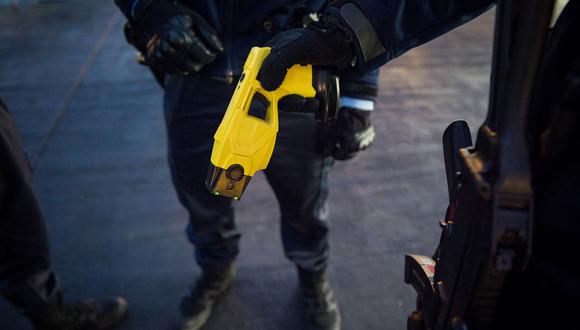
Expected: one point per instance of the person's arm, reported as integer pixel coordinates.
(383, 30)
(353, 131)
(365, 34)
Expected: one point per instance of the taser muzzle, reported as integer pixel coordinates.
(245, 139)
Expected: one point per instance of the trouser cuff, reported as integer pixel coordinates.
(35, 293)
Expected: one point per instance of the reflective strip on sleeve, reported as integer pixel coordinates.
(135, 2)
(139, 7)
(359, 104)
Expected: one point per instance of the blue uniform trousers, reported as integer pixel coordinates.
(298, 174)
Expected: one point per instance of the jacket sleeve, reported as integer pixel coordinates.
(359, 91)
(385, 29)
(125, 6)
(134, 9)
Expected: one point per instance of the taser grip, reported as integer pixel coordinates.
(243, 143)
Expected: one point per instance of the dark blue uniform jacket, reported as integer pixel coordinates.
(243, 24)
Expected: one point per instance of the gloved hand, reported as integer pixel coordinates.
(350, 133)
(325, 43)
(175, 39)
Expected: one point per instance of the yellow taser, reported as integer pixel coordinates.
(244, 141)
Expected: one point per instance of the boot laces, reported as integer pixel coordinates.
(207, 287)
(320, 296)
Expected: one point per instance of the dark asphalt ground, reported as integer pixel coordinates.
(91, 122)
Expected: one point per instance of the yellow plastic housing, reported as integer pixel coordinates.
(247, 140)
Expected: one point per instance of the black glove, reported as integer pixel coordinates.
(175, 39)
(349, 134)
(325, 43)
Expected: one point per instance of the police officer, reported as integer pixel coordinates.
(26, 277)
(362, 35)
(200, 47)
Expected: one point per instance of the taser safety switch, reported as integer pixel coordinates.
(245, 139)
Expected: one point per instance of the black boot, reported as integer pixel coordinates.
(320, 307)
(196, 307)
(89, 315)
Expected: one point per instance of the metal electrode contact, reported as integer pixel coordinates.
(230, 182)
